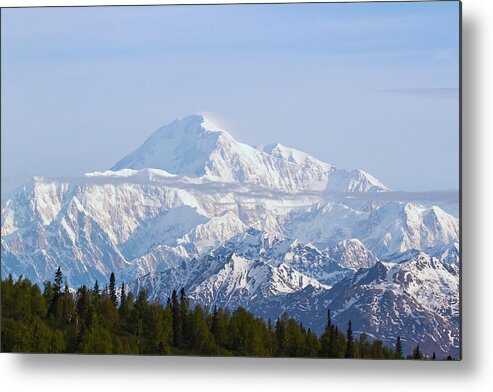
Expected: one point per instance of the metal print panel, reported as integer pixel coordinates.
(269, 180)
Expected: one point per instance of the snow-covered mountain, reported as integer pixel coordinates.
(416, 299)
(275, 249)
(193, 146)
(239, 225)
(72, 240)
(239, 281)
(248, 264)
(383, 227)
(352, 254)
(448, 254)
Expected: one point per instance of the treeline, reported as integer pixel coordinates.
(112, 321)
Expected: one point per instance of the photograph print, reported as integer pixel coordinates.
(260, 180)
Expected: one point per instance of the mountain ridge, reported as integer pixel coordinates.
(217, 156)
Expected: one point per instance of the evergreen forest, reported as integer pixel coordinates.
(111, 320)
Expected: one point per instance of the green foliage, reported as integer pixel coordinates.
(417, 354)
(177, 320)
(203, 341)
(94, 321)
(112, 289)
(398, 348)
(96, 340)
(350, 342)
(54, 308)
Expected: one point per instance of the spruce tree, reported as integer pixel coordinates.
(334, 332)
(350, 342)
(326, 336)
(341, 345)
(312, 344)
(82, 306)
(281, 335)
(185, 316)
(329, 321)
(96, 289)
(417, 353)
(80, 337)
(363, 344)
(67, 304)
(177, 325)
(123, 295)
(215, 326)
(398, 348)
(270, 337)
(57, 292)
(125, 304)
(58, 280)
(112, 289)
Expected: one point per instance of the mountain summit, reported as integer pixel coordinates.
(181, 147)
(194, 146)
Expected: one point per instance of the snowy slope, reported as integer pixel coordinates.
(352, 254)
(194, 146)
(73, 241)
(416, 299)
(295, 156)
(383, 227)
(275, 249)
(239, 281)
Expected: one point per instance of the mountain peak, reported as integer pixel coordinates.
(196, 147)
(293, 155)
(181, 147)
(197, 121)
(194, 124)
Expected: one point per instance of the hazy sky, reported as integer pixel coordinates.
(370, 85)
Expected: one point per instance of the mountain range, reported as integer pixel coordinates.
(270, 228)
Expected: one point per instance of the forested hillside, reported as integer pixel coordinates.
(111, 321)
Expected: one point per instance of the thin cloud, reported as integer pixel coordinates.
(446, 196)
(444, 92)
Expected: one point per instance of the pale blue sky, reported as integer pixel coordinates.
(369, 85)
